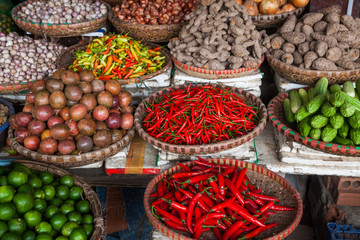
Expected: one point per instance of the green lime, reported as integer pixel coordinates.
(17, 225)
(34, 181)
(49, 192)
(32, 218)
(3, 228)
(23, 202)
(3, 180)
(57, 202)
(62, 192)
(70, 201)
(40, 205)
(21, 168)
(29, 235)
(83, 206)
(17, 178)
(74, 217)
(39, 193)
(62, 238)
(11, 236)
(89, 229)
(88, 219)
(25, 188)
(54, 233)
(44, 236)
(68, 228)
(7, 211)
(6, 193)
(43, 227)
(67, 180)
(67, 208)
(50, 211)
(78, 234)
(76, 193)
(46, 177)
(58, 220)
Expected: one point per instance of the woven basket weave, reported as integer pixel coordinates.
(310, 77)
(275, 20)
(215, 74)
(57, 30)
(146, 32)
(271, 184)
(90, 195)
(277, 118)
(15, 88)
(205, 148)
(66, 58)
(69, 161)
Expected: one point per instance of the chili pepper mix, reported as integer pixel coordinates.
(118, 57)
(199, 115)
(212, 197)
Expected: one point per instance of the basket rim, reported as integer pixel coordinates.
(19, 148)
(11, 112)
(98, 220)
(295, 135)
(257, 130)
(283, 15)
(36, 24)
(233, 162)
(167, 66)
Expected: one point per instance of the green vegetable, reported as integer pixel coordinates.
(355, 136)
(316, 103)
(334, 88)
(328, 133)
(304, 127)
(343, 141)
(344, 130)
(315, 133)
(304, 96)
(347, 110)
(337, 121)
(289, 115)
(328, 110)
(321, 86)
(348, 88)
(356, 96)
(311, 93)
(337, 98)
(295, 100)
(319, 121)
(353, 101)
(301, 113)
(354, 120)
(358, 86)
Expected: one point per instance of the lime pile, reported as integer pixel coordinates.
(39, 206)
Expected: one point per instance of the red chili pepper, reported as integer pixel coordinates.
(262, 197)
(222, 205)
(198, 178)
(232, 229)
(129, 74)
(108, 48)
(176, 205)
(130, 55)
(190, 174)
(217, 233)
(234, 190)
(184, 167)
(256, 232)
(157, 48)
(221, 182)
(240, 177)
(282, 208)
(190, 211)
(266, 207)
(167, 215)
(175, 225)
(108, 77)
(213, 184)
(242, 212)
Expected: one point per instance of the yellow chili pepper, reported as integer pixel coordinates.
(118, 50)
(134, 53)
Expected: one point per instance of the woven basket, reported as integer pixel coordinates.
(4, 127)
(310, 77)
(214, 74)
(271, 184)
(57, 30)
(205, 148)
(14, 88)
(275, 20)
(66, 58)
(277, 118)
(90, 195)
(69, 161)
(145, 32)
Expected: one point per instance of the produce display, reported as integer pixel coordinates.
(267, 7)
(323, 40)
(6, 23)
(73, 113)
(39, 205)
(4, 114)
(118, 57)
(199, 115)
(23, 59)
(220, 36)
(331, 114)
(154, 12)
(62, 11)
(214, 202)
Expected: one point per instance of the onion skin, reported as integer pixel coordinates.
(299, 3)
(288, 7)
(269, 7)
(281, 2)
(251, 8)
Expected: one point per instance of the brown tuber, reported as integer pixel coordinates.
(324, 64)
(333, 54)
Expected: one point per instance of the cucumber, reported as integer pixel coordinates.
(311, 93)
(343, 141)
(335, 88)
(328, 110)
(321, 86)
(304, 127)
(353, 101)
(344, 130)
(338, 98)
(357, 96)
(328, 133)
(316, 103)
(348, 88)
(295, 100)
(301, 113)
(315, 133)
(289, 115)
(304, 96)
(319, 121)
(347, 110)
(336, 121)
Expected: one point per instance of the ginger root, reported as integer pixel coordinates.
(324, 64)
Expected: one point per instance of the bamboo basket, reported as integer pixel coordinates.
(271, 184)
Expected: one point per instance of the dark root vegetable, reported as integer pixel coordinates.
(102, 138)
(53, 85)
(20, 134)
(78, 111)
(38, 85)
(86, 75)
(70, 78)
(42, 97)
(48, 146)
(36, 127)
(44, 112)
(60, 132)
(32, 142)
(127, 121)
(73, 92)
(97, 85)
(66, 147)
(57, 74)
(84, 144)
(22, 119)
(125, 98)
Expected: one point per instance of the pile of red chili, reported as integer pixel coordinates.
(199, 115)
(217, 198)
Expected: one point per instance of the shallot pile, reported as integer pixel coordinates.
(154, 11)
(23, 59)
(62, 11)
